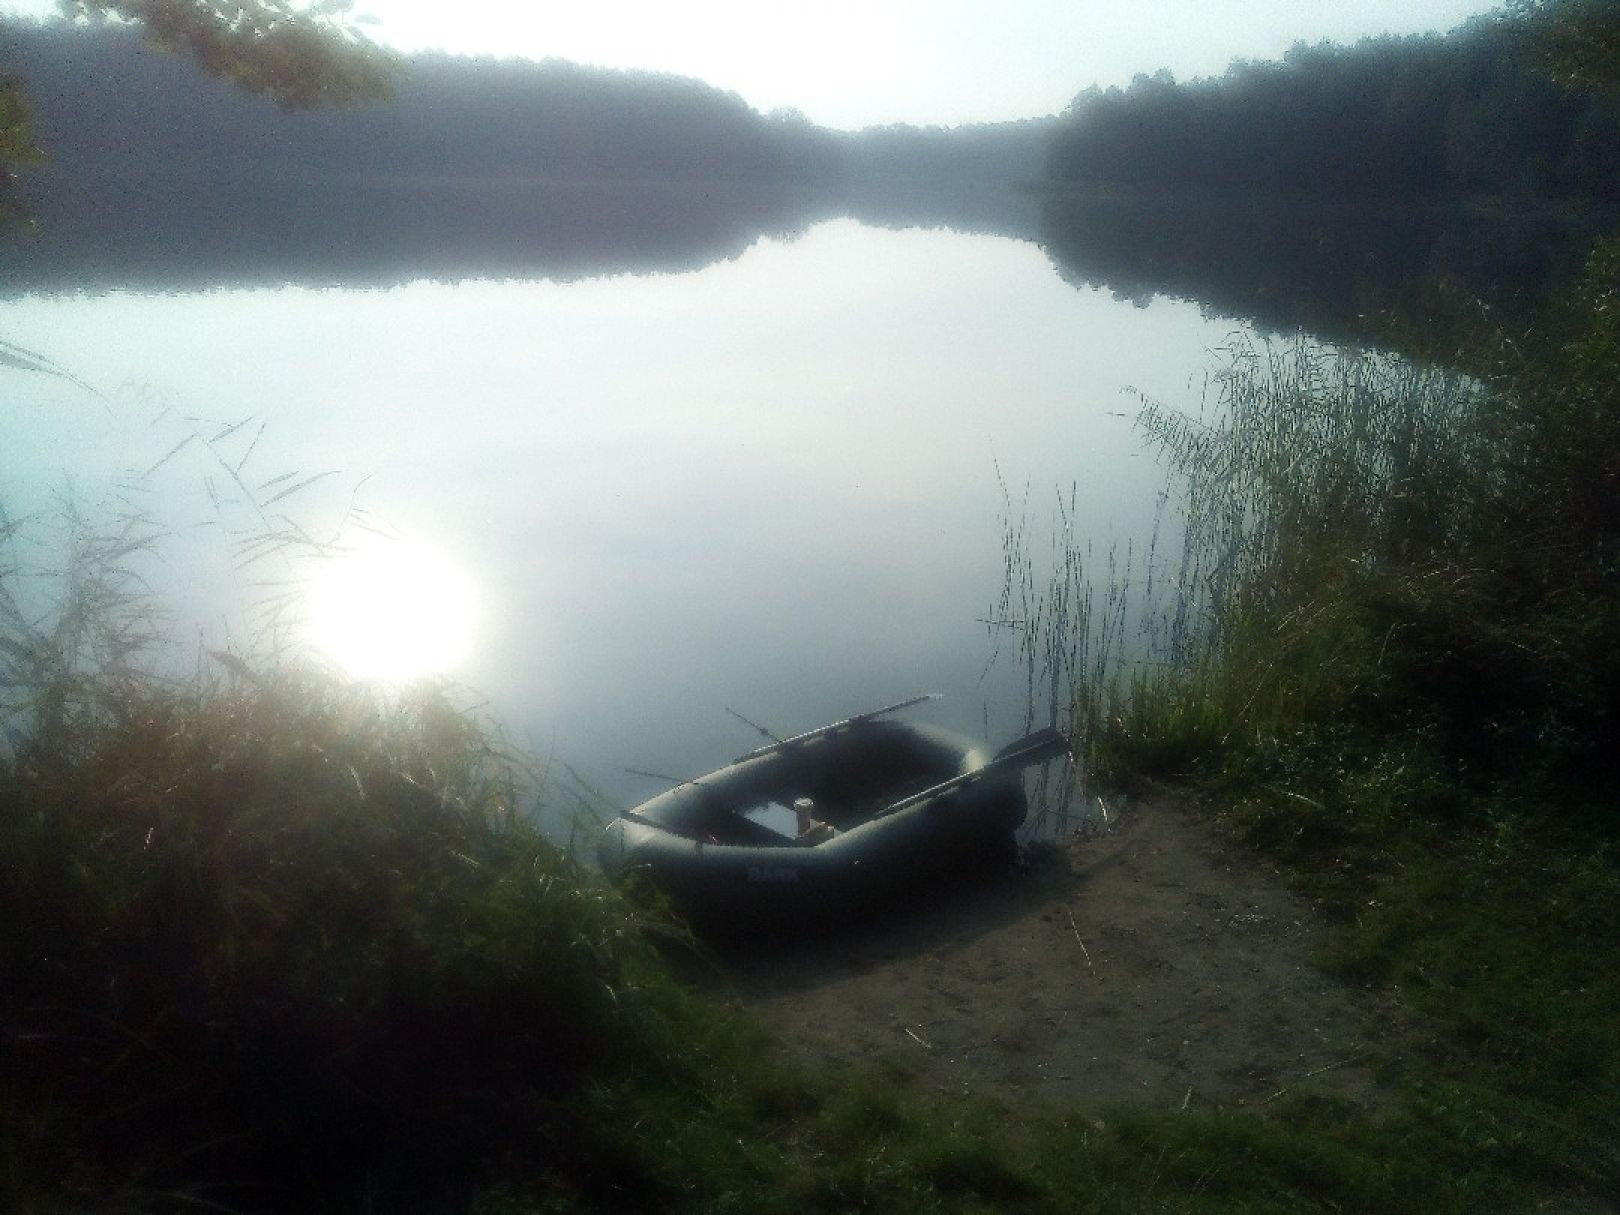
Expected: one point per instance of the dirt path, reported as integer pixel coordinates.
(1151, 963)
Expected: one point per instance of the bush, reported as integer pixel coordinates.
(297, 939)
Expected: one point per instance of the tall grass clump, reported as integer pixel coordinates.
(1381, 551)
(1393, 652)
(1305, 470)
(1320, 488)
(1062, 632)
(274, 941)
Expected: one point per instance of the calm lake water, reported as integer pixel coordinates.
(628, 503)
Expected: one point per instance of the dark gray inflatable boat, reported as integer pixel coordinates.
(894, 805)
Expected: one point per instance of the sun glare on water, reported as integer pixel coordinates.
(392, 611)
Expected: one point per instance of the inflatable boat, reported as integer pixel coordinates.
(826, 825)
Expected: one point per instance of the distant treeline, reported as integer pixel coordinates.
(159, 176)
(1006, 153)
(105, 101)
(1470, 113)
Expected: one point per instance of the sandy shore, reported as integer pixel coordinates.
(1150, 963)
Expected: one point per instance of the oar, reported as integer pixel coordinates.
(675, 782)
(839, 725)
(1031, 749)
(644, 821)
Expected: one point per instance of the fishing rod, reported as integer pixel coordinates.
(835, 726)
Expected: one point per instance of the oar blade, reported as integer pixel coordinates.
(1033, 748)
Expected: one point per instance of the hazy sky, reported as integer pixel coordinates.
(851, 63)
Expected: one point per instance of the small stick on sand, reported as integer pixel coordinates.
(1074, 929)
(915, 1038)
(1187, 1098)
(1327, 1067)
(1274, 1096)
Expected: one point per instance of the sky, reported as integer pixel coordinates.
(855, 63)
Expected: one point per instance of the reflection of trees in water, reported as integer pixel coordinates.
(1338, 271)
(988, 209)
(176, 235)
(191, 234)
(1348, 271)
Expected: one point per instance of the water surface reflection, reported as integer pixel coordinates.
(770, 485)
(392, 610)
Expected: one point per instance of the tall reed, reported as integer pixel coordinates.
(1309, 473)
(1306, 475)
(1068, 637)
(1373, 549)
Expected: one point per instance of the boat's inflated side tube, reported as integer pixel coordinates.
(728, 873)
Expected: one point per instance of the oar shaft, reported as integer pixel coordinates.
(1032, 749)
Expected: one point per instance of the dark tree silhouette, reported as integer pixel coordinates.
(1471, 113)
(1579, 40)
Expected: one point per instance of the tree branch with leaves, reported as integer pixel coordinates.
(1577, 41)
(299, 55)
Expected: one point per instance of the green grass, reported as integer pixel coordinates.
(299, 940)
(1393, 661)
(275, 942)
(278, 944)
(1388, 653)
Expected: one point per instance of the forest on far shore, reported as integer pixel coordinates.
(1468, 113)
(105, 104)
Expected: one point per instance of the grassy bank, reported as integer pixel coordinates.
(274, 942)
(1393, 661)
